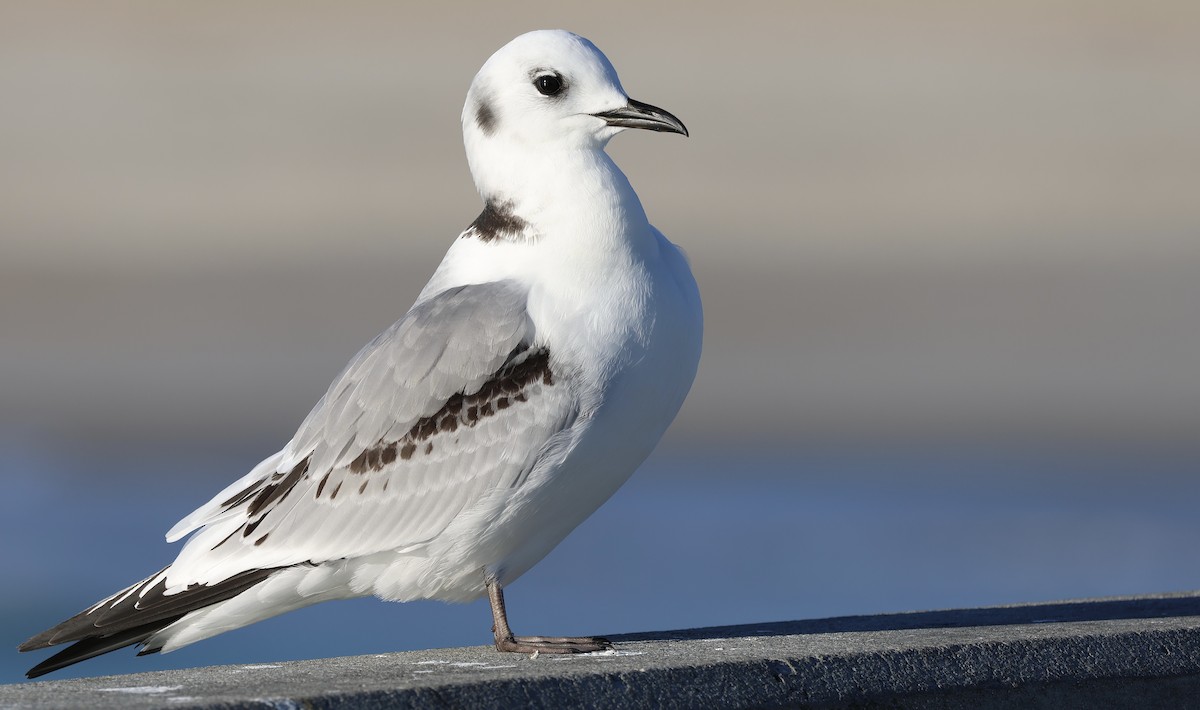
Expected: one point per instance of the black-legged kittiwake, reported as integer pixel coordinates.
(538, 368)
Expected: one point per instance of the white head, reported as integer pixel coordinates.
(546, 92)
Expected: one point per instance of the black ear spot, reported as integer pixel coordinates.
(485, 117)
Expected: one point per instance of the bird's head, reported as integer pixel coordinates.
(552, 89)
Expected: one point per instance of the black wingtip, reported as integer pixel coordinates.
(92, 647)
(132, 619)
(46, 639)
(34, 643)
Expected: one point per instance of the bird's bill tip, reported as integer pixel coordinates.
(637, 114)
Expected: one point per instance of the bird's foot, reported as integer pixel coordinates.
(552, 644)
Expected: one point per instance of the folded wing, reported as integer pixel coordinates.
(456, 399)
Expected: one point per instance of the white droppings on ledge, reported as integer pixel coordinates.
(142, 689)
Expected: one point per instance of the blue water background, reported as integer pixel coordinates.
(698, 537)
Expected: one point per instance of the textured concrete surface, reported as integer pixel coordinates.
(1130, 652)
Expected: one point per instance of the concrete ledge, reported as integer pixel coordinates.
(1139, 652)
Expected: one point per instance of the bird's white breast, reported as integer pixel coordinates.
(622, 318)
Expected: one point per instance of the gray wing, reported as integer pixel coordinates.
(454, 400)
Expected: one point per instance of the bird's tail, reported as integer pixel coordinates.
(132, 616)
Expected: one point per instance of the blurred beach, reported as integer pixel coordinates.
(949, 255)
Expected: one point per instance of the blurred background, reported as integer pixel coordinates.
(949, 253)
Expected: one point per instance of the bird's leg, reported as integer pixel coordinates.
(507, 642)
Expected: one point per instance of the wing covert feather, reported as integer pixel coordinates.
(454, 400)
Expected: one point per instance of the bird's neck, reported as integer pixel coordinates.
(578, 193)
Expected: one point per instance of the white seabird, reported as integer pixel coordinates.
(538, 368)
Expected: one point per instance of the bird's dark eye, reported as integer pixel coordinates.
(548, 84)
